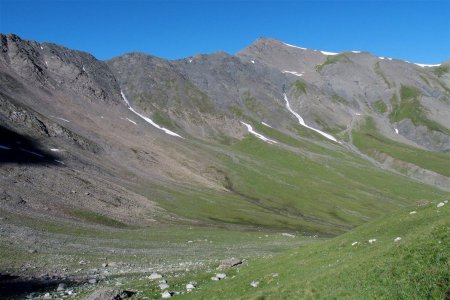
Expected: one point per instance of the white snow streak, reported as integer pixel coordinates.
(265, 124)
(258, 135)
(252, 61)
(148, 120)
(355, 51)
(293, 73)
(328, 53)
(295, 46)
(132, 121)
(4, 147)
(42, 48)
(302, 122)
(32, 152)
(56, 150)
(62, 119)
(60, 162)
(381, 57)
(396, 130)
(425, 65)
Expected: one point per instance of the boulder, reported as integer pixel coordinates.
(228, 263)
(109, 294)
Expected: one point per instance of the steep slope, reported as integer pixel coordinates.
(344, 84)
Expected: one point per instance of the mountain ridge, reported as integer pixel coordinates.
(272, 141)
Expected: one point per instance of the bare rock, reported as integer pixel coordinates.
(109, 294)
(228, 263)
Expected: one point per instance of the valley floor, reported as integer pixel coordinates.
(403, 255)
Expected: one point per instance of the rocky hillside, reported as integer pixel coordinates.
(274, 138)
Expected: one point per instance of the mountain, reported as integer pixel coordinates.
(208, 157)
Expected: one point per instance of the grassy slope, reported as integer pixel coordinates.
(411, 108)
(417, 267)
(369, 140)
(303, 187)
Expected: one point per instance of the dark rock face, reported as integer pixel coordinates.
(56, 67)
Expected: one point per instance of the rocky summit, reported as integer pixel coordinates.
(114, 171)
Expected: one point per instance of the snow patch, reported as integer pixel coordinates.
(396, 130)
(32, 152)
(148, 120)
(42, 48)
(59, 162)
(302, 122)
(258, 135)
(355, 51)
(62, 119)
(381, 57)
(293, 73)
(265, 124)
(252, 61)
(190, 60)
(425, 65)
(56, 150)
(295, 46)
(328, 53)
(84, 69)
(4, 147)
(132, 121)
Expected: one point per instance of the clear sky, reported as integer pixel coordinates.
(417, 31)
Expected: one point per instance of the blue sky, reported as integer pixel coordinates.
(417, 31)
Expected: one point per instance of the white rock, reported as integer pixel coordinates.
(190, 287)
(214, 278)
(440, 204)
(61, 287)
(413, 212)
(163, 286)
(288, 235)
(446, 201)
(47, 296)
(397, 239)
(355, 243)
(166, 295)
(254, 283)
(371, 241)
(154, 276)
(221, 276)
